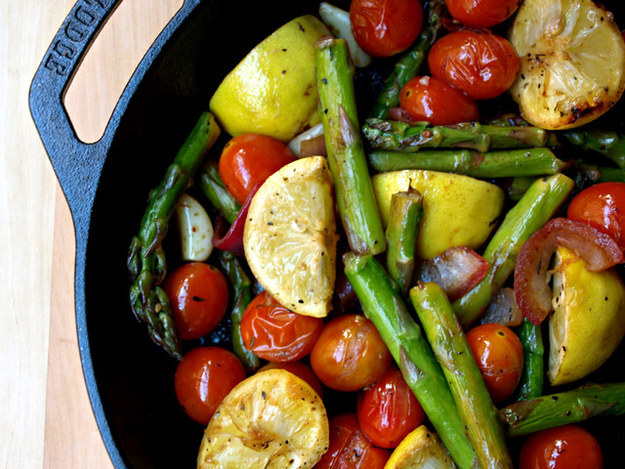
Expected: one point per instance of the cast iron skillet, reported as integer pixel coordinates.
(129, 379)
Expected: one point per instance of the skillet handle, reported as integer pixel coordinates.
(77, 164)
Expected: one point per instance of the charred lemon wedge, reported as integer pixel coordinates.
(588, 321)
(420, 449)
(572, 62)
(271, 420)
(290, 236)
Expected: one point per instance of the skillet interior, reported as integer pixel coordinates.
(134, 377)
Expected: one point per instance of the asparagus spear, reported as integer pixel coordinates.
(402, 136)
(401, 236)
(410, 62)
(531, 384)
(467, 386)
(521, 418)
(588, 173)
(535, 208)
(607, 143)
(346, 158)
(384, 306)
(242, 287)
(216, 192)
(495, 164)
(146, 259)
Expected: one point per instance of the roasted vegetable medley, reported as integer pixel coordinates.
(415, 272)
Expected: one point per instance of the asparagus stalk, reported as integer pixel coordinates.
(146, 259)
(588, 173)
(519, 186)
(216, 192)
(402, 136)
(495, 164)
(401, 236)
(384, 306)
(242, 288)
(467, 386)
(410, 62)
(535, 208)
(521, 418)
(607, 143)
(531, 384)
(346, 158)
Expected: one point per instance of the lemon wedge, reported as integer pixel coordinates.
(572, 62)
(420, 449)
(588, 322)
(273, 90)
(272, 419)
(457, 210)
(290, 236)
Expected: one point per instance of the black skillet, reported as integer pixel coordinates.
(129, 379)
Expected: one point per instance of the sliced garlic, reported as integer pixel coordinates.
(195, 229)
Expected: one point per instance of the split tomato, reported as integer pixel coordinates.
(385, 27)
(481, 64)
(277, 334)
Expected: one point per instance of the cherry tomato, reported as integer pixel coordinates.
(299, 369)
(602, 206)
(198, 293)
(204, 376)
(389, 410)
(566, 447)
(481, 64)
(249, 159)
(349, 354)
(277, 334)
(482, 13)
(432, 100)
(385, 27)
(499, 355)
(349, 447)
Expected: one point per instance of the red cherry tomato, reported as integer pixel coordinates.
(482, 13)
(432, 100)
(388, 411)
(299, 369)
(499, 355)
(198, 293)
(349, 354)
(385, 27)
(277, 334)
(204, 376)
(249, 159)
(349, 447)
(481, 64)
(602, 206)
(566, 447)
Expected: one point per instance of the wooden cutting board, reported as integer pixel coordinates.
(46, 417)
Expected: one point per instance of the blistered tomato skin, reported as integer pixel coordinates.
(429, 99)
(349, 354)
(566, 447)
(277, 334)
(248, 159)
(204, 376)
(389, 410)
(482, 13)
(385, 27)
(602, 206)
(499, 356)
(198, 293)
(481, 64)
(350, 448)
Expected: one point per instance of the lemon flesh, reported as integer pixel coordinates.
(290, 236)
(273, 90)
(272, 419)
(572, 62)
(457, 210)
(420, 449)
(588, 322)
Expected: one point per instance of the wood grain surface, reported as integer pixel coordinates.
(46, 420)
